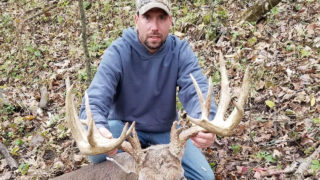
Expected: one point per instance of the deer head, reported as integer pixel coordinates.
(160, 162)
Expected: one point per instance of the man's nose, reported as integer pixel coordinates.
(154, 25)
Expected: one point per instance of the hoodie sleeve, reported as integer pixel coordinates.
(188, 64)
(103, 87)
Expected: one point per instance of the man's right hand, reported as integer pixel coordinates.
(107, 134)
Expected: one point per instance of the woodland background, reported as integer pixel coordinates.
(40, 45)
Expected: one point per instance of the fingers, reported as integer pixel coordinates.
(208, 136)
(203, 140)
(106, 133)
(112, 153)
(196, 142)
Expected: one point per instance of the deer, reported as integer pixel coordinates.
(157, 162)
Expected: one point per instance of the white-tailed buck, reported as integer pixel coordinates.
(158, 162)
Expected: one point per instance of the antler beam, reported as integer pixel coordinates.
(219, 125)
(90, 142)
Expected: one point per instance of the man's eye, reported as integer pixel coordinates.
(147, 17)
(162, 17)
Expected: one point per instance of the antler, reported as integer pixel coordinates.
(133, 147)
(218, 125)
(90, 142)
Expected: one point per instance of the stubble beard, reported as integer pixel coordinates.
(149, 45)
(155, 47)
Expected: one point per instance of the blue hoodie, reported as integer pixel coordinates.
(132, 84)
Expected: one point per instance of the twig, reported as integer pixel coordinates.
(11, 162)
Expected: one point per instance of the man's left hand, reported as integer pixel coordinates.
(203, 140)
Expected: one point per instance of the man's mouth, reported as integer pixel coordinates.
(155, 38)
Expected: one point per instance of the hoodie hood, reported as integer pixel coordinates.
(131, 37)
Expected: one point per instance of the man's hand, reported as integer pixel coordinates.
(107, 134)
(203, 140)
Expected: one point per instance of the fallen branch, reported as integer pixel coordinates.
(255, 12)
(298, 171)
(304, 166)
(288, 170)
(11, 162)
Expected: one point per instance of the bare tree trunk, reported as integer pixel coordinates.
(254, 13)
(11, 162)
(84, 41)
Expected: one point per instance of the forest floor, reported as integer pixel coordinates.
(40, 45)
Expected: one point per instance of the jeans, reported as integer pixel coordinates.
(194, 163)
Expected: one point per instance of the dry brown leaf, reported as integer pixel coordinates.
(301, 97)
(262, 138)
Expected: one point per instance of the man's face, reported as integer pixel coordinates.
(153, 28)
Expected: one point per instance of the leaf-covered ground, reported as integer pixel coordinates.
(40, 44)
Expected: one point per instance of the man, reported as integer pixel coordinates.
(137, 79)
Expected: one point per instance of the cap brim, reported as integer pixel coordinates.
(149, 6)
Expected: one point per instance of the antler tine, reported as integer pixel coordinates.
(71, 115)
(209, 97)
(219, 125)
(90, 121)
(204, 104)
(178, 138)
(235, 117)
(133, 147)
(225, 92)
(175, 143)
(90, 142)
(200, 96)
(136, 151)
(237, 113)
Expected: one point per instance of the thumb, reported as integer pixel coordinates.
(105, 132)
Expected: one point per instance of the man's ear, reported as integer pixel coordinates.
(171, 21)
(136, 17)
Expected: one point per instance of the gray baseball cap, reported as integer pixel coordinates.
(145, 5)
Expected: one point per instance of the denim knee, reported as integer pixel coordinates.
(97, 158)
(209, 175)
(203, 174)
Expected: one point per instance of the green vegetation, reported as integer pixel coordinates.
(266, 156)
